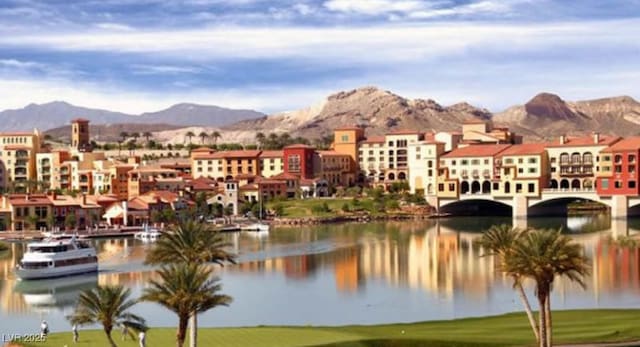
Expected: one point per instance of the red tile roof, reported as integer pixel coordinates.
(404, 132)
(476, 151)
(230, 154)
(29, 200)
(250, 186)
(585, 141)
(525, 149)
(300, 145)
(271, 154)
(374, 139)
(284, 176)
(626, 144)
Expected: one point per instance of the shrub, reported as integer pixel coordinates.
(345, 207)
(323, 208)
(278, 209)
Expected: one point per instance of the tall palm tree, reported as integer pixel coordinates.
(189, 134)
(147, 135)
(108, 306)
(498, 241)
(542, 255)
(135, 135)
(185, 289)
(190, 242)
(260, 137)
(203, 135)
(215, 136)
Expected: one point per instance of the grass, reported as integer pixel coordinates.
(300, 208)
(576, 326)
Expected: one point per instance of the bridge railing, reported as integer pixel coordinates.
(569, 190)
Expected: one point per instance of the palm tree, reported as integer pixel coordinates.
(190, 242)
(498, 242)
(147, 135)
(215, 136)
(108, 306)
(260, 137)
(542, 255)
(203, 135)
(186, 289)
(189, 134)
(135, 135)
(124, 135)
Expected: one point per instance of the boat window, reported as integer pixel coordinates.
(77, 261)
(48, 249)
(34, 265)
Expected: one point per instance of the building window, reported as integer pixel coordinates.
(486, 162)
(632, 184)
(520, 170)
(618, 159)
(508, 161)
(496, 186)
(294, 163)
(532, 188)
(632, 158)
(604, 183)
(533, 160)
(345, 138)
(452, 187)
(518, 187)
(631, 168)
(618, 184)
(618, 168)
(520, 160)
(532, 170)
(441, 187)
(475, 162)
(463, 162)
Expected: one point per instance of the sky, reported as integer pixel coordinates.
(145, 55)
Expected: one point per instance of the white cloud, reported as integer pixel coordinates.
(114, 27)
(142, 69)
(19, 64)
(378, 44)
(375, 7)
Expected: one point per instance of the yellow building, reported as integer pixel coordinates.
(18, 159)
(346, 141)
(225, 165)
(423, 158)
(336, 168)
(468, 170)
(271, 163)
(521, 170)
(483, 132)
(575, 160)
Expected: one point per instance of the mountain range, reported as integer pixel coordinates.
(543, 117)
(59, 113)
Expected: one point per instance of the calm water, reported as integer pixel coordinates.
(340, 274)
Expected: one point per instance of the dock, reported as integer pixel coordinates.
(82, 234)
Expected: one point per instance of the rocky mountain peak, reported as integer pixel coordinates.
(548, 105)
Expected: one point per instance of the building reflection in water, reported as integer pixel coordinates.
(435, 258)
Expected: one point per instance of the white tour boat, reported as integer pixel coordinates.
(56, 258)
(148, 234)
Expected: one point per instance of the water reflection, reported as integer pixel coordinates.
(356, 273)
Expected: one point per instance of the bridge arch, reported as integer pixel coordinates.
(486, 187)
(476, 206)
(558, 206)
(475, 187)
(464, 187)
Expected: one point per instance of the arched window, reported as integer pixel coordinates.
(391, 176)
(507, 187)
(475, 187)
(564, 158)
(553, 184)
(402, 176)
(464, 187)
(575, 158)
(587, 158)
(575, 184)
(564, 184)
(486, 187)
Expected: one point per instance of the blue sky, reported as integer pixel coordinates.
(144, 55)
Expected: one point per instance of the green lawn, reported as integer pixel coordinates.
(300, 208)
(577, 326)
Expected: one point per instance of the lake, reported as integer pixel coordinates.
(346, 274)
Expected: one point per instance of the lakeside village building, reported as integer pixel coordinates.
(480, 162)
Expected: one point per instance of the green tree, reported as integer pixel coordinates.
(191, 243)
(498, 242)
(70, 221)
(215, 136)
(203, 135)
(147, 135)
(542, 256)
(189, 134)
(32, 221)
(186, 289)
(260, 138)
(108, 306)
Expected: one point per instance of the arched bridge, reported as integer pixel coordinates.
(520, 204)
